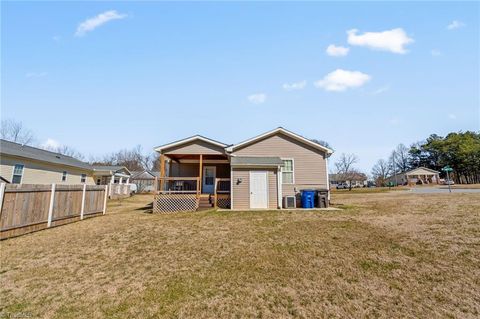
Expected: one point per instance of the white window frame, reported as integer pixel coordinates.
(81, 177)
(293, 170)
(64, 175)
(13, 172)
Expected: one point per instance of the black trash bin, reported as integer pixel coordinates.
(322, 198)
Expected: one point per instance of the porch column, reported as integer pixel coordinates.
(112, 178)
(120, 180)
(162, 171)
(200, 173)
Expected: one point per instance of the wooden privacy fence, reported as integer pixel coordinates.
(30, 207)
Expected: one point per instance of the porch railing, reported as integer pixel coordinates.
(177, 185)
(222, 193)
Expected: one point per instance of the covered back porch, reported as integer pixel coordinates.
(193, 175)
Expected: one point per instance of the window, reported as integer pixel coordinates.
(17, 174)
(83, 179)
(64, 176)
(287, 171)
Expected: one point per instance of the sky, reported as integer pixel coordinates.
(105, 76)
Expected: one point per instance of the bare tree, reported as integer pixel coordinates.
(133, 159)
(67, 151)
(381, 171)
(14, 131)
(345, 168)
(401, 158)
(322, 142)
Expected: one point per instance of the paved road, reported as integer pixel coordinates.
(432, 190)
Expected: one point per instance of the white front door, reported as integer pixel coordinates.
(208, 183)
(258, 189)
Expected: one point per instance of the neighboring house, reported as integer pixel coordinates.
(22, 164)
(105, 174)
(416, 176)
(255, 174)
(357, 180)
(145, 180)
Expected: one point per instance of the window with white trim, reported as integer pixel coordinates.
(287, 171)
(64, 176)
(83, 179)
(17, 174)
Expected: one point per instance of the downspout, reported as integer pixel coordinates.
(328, 177)
(279, 187)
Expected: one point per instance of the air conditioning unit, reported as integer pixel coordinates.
(289, 202)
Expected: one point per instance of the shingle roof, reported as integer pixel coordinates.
(256, 161)
(25, 151)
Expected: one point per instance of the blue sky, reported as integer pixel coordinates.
(105, 76)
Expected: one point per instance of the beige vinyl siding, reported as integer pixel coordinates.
(309, 163)
(241, 191)
(36, 172)
(195, 147)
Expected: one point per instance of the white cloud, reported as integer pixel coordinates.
(56, 38)
(435, 53)
(381, 90)
(93, 23)
(340, 80)
(294, 86)
(333, 50)
(257, 98)
(50, 144)
(36, 74)
(393, 40)
(455, 24)
(452, 116)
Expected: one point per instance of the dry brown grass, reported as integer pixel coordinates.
(387, 255)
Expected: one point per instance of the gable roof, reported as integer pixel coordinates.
(145, 174)
(188, 140)
(421, 167)
(34, 153)
(282, 131)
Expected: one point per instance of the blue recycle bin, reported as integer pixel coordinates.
(308, 198)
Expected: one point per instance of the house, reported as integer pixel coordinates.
(22, 164)
(356, 179)
(258, 173)
(104, 174)
(416, 176)
(145, 180)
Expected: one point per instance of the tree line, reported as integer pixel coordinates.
(459, 150)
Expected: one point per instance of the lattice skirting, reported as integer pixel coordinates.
(165, 203)
(223, 201)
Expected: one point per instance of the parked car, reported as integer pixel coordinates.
(449, 182)
(342, 186)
